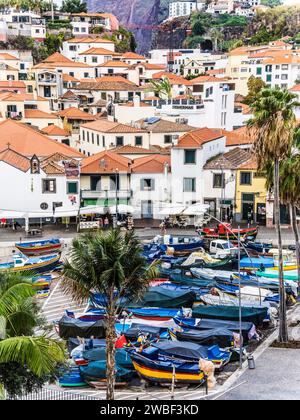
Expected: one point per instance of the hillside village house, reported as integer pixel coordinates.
(49, 76)
(188, 158)
(104, 134)
(84, 23)
(150, 185)
(73, 48)
(222, 179)
(40, 173)
(105, 179)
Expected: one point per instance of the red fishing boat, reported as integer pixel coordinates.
(47, 246)
(225, 231)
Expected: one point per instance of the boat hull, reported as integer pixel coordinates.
(41, 267)
(155, 372)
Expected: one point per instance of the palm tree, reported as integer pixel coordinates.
(217, 36)
(162, 88)
(110, 263)
(19, 316)
(272, 129)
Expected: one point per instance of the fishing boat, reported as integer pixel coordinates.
(165, 371)
(274, 274)
(96, 370)
(248, 328)
(155, 314)
(189, 351)
(217, 336)
(203, 259)
(219, 298)
(225, 231)
(256, 263)
(42, 294)
(69, 327)
(41, 264)
(46, 246)
(231, 313)
(173, 246)
(72, 378)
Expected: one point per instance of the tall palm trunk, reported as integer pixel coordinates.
(110, 347)
(283, 331)
(297, 243)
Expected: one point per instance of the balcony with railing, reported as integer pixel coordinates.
(14, 115)
(47, 79)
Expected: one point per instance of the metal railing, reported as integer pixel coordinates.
(53, 394)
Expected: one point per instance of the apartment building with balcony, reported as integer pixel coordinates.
(85, 23)
(74, 47)
(14, 22)
(105, 179)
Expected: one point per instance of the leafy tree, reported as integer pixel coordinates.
(53, 42)
(255, 85)
(73, 6)
(271, 3)
(110, 263)
(35, 359)
(162, 88)
(272, 128)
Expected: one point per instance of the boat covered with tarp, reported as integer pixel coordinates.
(71, 327)
(96, 371)
(248, 328)
(191, 351)
(231, 313)
(155, 314)
(46, 246)
(152, 332)
(217, 336)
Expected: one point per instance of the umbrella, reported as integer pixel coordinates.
(92, 210)
(171, 209)
(196, 209)
(122, 209)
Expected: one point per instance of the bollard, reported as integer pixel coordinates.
(251, 362)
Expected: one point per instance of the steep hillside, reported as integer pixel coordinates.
(139, 16)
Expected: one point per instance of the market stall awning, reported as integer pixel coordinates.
(122, 209)
(196, 209)
(171, 209)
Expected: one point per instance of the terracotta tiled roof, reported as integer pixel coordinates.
(89, 40)
(28, 142)
(251, 164)
(69, 95)
(15, 159)
(51, 168)
(20, 97)
(58, 60)
(230, 160)
(237, 137)
(67, 78)
(134, 150)
(174, 79)
(151, 164)
(98, 51)
(73, 113)
(110, 85)
(6, 56)
(114, 79)
(105, 162)
(114, 63)
(36, 113)
(131, 104)
(209, 79)
(165, 126)
(198, 137)
(54, 130)
(105, 126)
(150, 66)
(133, 56)
(295, 88)
(12, 84)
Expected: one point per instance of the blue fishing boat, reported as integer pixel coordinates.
(46, 246)
(41, 264)
(155, 314)
(163, 371)
(186, 288)
(256, 263)
(72, 378)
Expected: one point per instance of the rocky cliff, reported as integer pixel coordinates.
(139, 16)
